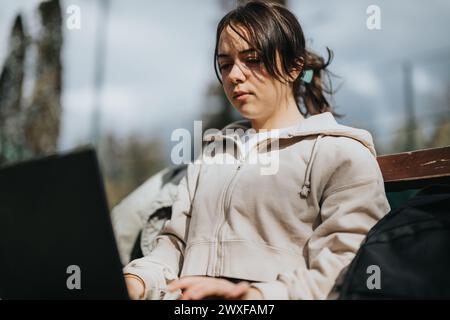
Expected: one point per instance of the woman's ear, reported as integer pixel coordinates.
(296, 71)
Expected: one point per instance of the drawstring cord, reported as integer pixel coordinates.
(306, 188)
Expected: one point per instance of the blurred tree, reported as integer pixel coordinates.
(11, 83)
(410, 139)
(99, 70)
(441, 134)
(127, 164)
(42, 124)
(439, 111)
(402, 139)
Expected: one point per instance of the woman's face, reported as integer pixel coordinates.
(248, 86)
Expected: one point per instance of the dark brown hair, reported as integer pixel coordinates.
(273, 28)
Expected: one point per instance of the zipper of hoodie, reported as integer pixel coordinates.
(219, 229)
(226, 205)
(226, 199)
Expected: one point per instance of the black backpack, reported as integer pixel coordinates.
(406, 255)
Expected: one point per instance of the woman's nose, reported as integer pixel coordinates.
(237, 74)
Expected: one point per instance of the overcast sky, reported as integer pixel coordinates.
(158, 64)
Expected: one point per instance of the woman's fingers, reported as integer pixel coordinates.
(182, 283)
(195, 288)
(197, 292)
(238, 290)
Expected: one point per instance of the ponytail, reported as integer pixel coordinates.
(311, 96)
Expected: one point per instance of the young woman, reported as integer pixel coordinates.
(239, 232)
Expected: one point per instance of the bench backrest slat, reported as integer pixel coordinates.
(415, 169)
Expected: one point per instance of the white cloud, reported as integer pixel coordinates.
(76, 117)
(422, 81)
(362, 80)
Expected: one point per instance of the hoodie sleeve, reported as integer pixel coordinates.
(165, 260)
(352, 200)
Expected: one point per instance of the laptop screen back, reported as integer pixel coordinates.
(56, 238)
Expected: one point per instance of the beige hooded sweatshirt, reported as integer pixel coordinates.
(289, 227)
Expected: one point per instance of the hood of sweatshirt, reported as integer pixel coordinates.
(323, 124)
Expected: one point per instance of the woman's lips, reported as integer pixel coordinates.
(242, 97)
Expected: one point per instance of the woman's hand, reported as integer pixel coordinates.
(135, 286)
(197, 287)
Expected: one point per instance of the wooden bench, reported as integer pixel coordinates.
(415, 169)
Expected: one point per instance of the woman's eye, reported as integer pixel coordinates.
(224, 66)
(253, 60)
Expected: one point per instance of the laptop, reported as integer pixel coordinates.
(56, 236)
